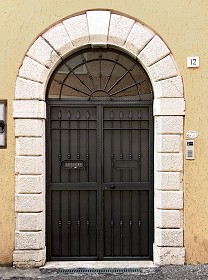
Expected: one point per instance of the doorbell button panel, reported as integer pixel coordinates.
(189, 149)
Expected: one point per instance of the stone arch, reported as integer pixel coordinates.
(97, 28)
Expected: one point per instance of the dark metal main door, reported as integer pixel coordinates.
(99, 158)
(100, 180)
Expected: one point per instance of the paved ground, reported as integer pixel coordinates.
(157, 273)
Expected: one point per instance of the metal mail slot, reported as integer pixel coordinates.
(125, 164)
(73, 164)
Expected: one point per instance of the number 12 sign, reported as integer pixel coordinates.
(192, 61)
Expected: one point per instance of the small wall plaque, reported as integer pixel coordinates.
(73, 164)
(191, 134)
(193, 61)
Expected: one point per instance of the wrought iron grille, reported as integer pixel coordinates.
(94, 73)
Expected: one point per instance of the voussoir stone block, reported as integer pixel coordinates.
(168, 143)
(169, 161)
(169, 255)
(163, 69)
(169, 106)
(29, 127)
(34, 71)
(168, 218)
(172, 87)
(29, 109)
(98, 23)
(119, 29)
(138, 38)
(29, 184)
(77, 29)
(168, 180)
(154, 51)
(26, 89)
(42, 52)
(58, 38)
(169, 124)
(31, 165)
(29, 146)
(29, 240)
(169, 200)
(169, 237)
(29, 203)
(29, 221)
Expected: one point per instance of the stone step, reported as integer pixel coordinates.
(69, 267)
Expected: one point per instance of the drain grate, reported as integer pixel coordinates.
(102, 270)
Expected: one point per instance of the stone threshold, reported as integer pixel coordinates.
(90, 265)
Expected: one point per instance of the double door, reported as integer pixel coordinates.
(99, 181)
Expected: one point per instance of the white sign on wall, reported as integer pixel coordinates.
(193, 61)
(191, 134)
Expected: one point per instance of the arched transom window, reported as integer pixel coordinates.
(100, 73)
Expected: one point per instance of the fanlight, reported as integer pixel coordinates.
(100, 73)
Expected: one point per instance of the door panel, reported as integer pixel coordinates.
(126, 139)
(73, 138)
(73, 228)
(126, 223)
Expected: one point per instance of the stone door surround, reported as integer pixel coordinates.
(49, 49)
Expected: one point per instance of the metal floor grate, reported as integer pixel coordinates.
(104, 270)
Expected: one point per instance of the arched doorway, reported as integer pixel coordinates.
(98, 28)
(100, 158)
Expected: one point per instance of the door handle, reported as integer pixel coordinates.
(112, 186)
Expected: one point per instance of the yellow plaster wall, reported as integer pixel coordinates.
(183, 26)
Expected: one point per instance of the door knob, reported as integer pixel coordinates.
(112, 186)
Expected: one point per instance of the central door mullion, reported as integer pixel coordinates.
(99, 181)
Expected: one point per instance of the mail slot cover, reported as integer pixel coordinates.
(73, 164)
(125, 164)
